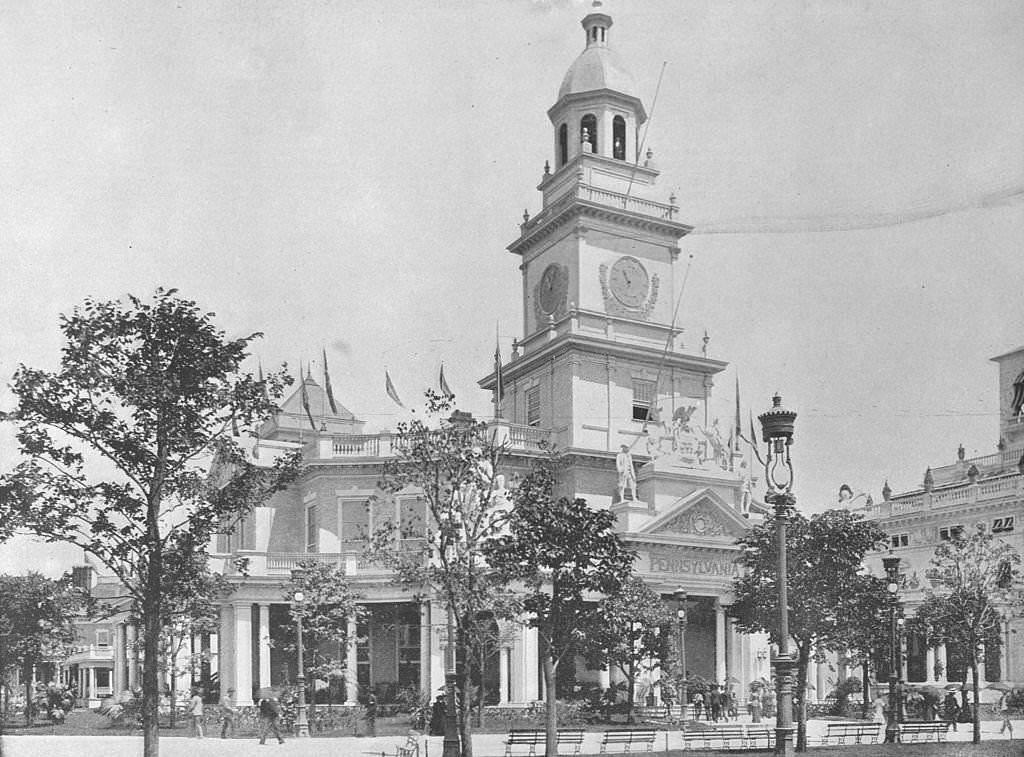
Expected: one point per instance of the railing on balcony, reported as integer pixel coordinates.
(626, 202)
(527, 437)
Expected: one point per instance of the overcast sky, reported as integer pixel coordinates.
(348, 174)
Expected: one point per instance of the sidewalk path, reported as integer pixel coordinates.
(484, 745)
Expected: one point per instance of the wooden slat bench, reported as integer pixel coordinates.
(719, 737)
(632, 740)
(760, 737)
(851, 733)
(921, 731)
(533, 738)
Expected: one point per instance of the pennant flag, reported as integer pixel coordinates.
(327, 386)
(262, 381)
(305, 403)
(737, 431)
(443, 385)
(390, 389)
(500, 388)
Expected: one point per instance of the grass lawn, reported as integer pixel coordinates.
(984, 749)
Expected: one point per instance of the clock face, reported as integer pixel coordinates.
(629, 282)
(549, 291)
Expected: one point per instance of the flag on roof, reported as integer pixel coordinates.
(327, 386)
(305, 403)
(443, 385)
(390, 389)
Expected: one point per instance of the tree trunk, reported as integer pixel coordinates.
(30, 705)
(171, 666)
(866, 686)
(801, 690)
(631, 693)
(465, 729)
(976, 714)
(550, 702)
(151, 675)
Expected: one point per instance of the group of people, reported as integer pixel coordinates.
(718, 704)
(269, 709)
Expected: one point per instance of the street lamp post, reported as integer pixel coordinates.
(777, 426)
(301, 720)
(892, 728)
(451, 746)
(680, 597)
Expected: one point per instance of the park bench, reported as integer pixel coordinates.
(719, 737)
(851, 733)
(533, 738)
(760, 737)
(632, 740)
(920, 731)
(664, 715)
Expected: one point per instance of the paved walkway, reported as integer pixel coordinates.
(484, 745)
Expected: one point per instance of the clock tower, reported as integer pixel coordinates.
(601, 362)
(601, 372)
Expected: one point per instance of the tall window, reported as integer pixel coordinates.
(948, 533)
(102, 637)
(643, 398)
(355, 524)
(588, 131)
(563, 144)
(533, 406)
(412, 516)
(312, 529)
(619, 138)
(408, 633)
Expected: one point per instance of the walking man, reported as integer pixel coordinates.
(1004, 713)
(195, 712)
(228, 713)
(270, 713)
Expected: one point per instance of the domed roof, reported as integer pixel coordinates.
(596, 68)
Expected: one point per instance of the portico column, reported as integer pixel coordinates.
(427, 687)
(92, 683)
(352, 665)
(264, 637)
(530, 662)
(929, 662)
(243, 652)
(120, 682)
(131, 641)
(821, 681)
(503, 673)
(720, 670)
(940, 655)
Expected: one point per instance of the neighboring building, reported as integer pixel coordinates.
(959, 497)
(600, 370)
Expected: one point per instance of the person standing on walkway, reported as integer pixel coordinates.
(270, 713)
(950, 709)
(715, 703)
(228, 714)
(1004, 713)
(371, 714)
(195, 712)
(754, 706)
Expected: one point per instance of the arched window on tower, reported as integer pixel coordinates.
(619, 138)
(588, 132)
(563, 145)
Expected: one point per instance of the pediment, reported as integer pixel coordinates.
(701, 514)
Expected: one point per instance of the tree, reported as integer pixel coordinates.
(328, 605)
(444, 479)
(629, 632)
(974, 586)
(117, 445)
(563, 553)
(36, 615)
(827, 588)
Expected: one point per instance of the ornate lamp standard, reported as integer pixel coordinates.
(301, 722)
(451, 746)
(892, 727)
(680, 597)
(777, 429)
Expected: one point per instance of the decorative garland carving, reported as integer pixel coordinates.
(613, 307)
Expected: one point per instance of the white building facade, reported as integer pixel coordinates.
(600, 372)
